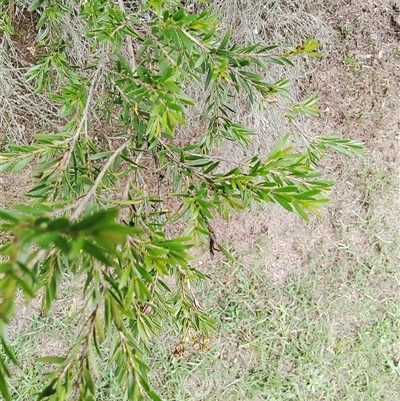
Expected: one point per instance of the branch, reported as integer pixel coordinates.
(84, 352)
(184, 166)
(85, 113)
(84, 201)
(193, 39)
(132, 62)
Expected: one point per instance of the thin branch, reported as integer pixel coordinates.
(84, 352)
(161, 47)
(132, 61)
(84, 118)
(184, 166)
(84, 201)
(193, 39)
(220, 159)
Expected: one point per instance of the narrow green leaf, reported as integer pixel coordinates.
(100, 155)
(93, 362)
(8, 351)
(131, 386)
(37, 210)
(48, 390)
(307, 194)
(35, 5)
(154, 396)
(22, 164)
(88, 380)
(278, 146)
(38, 191)
(179, 14)
(211, 167)
(52, 359)
(225, 39)
(95, 220)
(99, 328)
(283, 202)
(289, 189)
(124, 278)
(10, 215)
(226, 252)
(300, 212)
(3, 387)
(113, 234)
(97, 253)
(185, 99)
(60, 224)
(4, 165)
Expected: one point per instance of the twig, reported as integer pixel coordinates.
(183, 165)
(84, 201)
(213, 245)
(193, 39)
(83, 121)
(219, 159)
(132, 61)
(161, 47)
(84, 352)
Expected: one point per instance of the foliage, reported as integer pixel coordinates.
(105, 210)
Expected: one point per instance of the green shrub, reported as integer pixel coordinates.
(121, 198)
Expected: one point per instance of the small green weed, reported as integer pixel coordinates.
(351, 63)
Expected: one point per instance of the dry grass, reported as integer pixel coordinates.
(22, 111)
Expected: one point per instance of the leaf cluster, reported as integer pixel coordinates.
(104, 211)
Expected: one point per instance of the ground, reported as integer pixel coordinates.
(307, 311)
